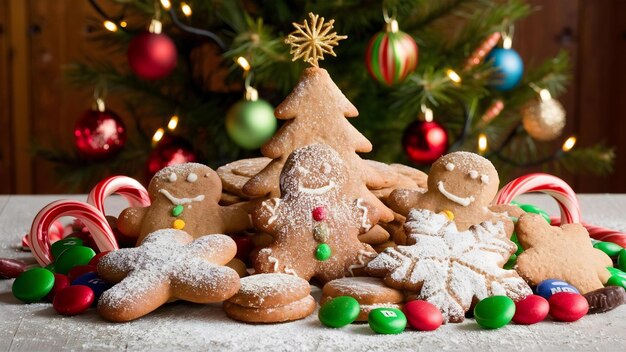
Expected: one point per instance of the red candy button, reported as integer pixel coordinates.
(73, 300)
(568, 306)
(80, 270)
(319, 214)
(11, 268)
(95, 260)
(531, 310)
(244, 247)
(422, 315)
(60, 282)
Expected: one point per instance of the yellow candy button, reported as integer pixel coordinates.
(449, 214)
(178, 224)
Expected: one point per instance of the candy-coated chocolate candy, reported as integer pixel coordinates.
(615, 271)
(60, 246)
(178, 224)
(494, 312)
(80, 270)
(621, 260)
(93, 281)
(319, 213)
(387, 320)
(73, 300)
(73, 256)
(449, 214)
(529, 208)
(96, 259)
(547, 288)
(514, 239)
(244, 247)
(33, 285)
(177, 210)
(567, 306)
(422, 315)
(323, 252)
(60, 282)
(11, 268)
(339, 311)
(51, 268)
(511, 262)
(616, 280)
(609, 248)
(531, 310)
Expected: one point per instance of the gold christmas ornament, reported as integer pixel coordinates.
(543, 118)
(311, 41)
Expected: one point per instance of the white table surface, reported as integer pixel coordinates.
(183, 326)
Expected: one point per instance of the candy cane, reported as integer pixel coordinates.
(94, 220)
(127, 187)
(551, 185)
(55, 233)
(600, 233)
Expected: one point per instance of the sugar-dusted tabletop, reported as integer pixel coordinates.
(182, 326)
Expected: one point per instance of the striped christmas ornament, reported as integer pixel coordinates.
(391, 55)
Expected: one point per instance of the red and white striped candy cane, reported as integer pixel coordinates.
(544, 183)
(94, 220)
(55, 233)
(599, 233)
(129, 188)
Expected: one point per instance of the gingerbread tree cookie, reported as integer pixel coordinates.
(315, 112)
(168, 265)
(460, 183)
(450, 268)
(564, 253)
(316, 222)
(184, 197)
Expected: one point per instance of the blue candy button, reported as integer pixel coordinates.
(97, 285)
(547, 288)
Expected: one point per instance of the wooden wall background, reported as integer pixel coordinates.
(37, 37)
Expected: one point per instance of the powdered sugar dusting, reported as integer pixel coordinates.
(263, 285)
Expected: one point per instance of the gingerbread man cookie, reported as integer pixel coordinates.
(317, 220)
(184, 197)
(450, 268)
(168, 265)
(461, 184)
(564, 253)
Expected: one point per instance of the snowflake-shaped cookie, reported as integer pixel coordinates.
(450, 268)
(168, 265)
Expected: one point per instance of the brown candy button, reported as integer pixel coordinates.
(605, 299)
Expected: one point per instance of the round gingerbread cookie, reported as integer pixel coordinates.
(293, 311)
(366, 290)
(270, 290)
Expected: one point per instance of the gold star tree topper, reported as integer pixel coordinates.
(310, 41)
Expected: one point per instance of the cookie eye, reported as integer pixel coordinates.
(207, 175)
(192, 177)
(484, 179)
(473, 174)
(449, 166)
(326, 168)
(172, 177)
(303, 170)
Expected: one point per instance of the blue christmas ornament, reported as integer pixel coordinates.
(509, 67)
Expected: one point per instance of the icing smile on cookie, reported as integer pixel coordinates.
(464, 201)
(180, 201)
(316, 191)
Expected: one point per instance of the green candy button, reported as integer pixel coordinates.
(339, 311)
(609, 248)
(33, 285)
(511, 262)
(387, 320)
(516, 241)
(323, 252)
(177, 210)
(60, 246)
(529, 208)
(73, 256)
(617, 280)
(494, 312)
(621, 260)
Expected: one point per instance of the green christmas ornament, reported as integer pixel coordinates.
(250, 123)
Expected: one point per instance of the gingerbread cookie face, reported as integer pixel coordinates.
(271, 298)
(184, 197)
(450, 268)
(314, 224)
(168, 265)
(461, 183)
(564, 253)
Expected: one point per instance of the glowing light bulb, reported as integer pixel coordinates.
(185, 8)
(243, 63)
(482, 143)
(158, 135)
(166, 4)
(171, 125)
(110, 26)
(454, 77)
(569, 144)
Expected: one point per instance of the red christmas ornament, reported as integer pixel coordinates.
(424, 141)
(99, 135)
(152, 55)
(170, 151)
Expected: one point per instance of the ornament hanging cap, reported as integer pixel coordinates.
(310, 41)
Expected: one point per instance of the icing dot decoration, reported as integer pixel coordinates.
(192, 177)
(177, 210)
(319, 214)
(323, 252)
(172, 177)
(178, 224)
